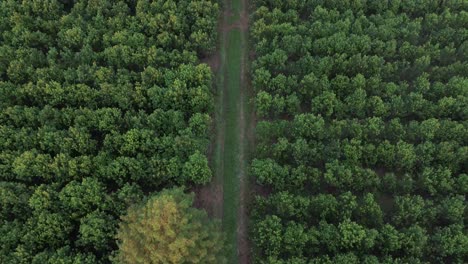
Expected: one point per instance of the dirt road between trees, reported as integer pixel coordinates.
(227, 196)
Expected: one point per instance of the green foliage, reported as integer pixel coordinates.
(268, 235)
(96, 230)
(167, 229)
(351, 234)
(197, 169)
(362, 132)
(101, 104)
(13, 201)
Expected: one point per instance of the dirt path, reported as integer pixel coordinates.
(210, 197)
(228, 194)
(247, 123)
(237, 128)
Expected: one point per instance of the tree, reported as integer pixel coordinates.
(388, 240)
(289, 206)
(405, 156)
(196, 169)
(47, 230)
(338, 175)
(450, 243)
(81, 198)
(267, 171)
(309, 126)
(63, 255)
(351, 234)
(429, 128)
(295, 238)
(324, 104)
(44, 198)
(451, 210)
(370, 212)
(437, 181)
(324, 207)
(13, 200)
(356, 103)
(11, 234)
(293, 104)
(264, 103)
(96, 231)
(409, 210)
(268, 235)
(414, 241)
(167, 229)
(199, 124)
(31, 165)
(329, 237)
(343, 258)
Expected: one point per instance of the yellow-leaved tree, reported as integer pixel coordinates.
(167, 229)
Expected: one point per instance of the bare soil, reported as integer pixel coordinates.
(210, 198)
(213, 60)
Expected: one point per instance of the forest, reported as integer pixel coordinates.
(362, 132)
(116, 116)
(101, 104)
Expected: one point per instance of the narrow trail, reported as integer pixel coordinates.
(228, 194)
(236, 127)
(247, 126)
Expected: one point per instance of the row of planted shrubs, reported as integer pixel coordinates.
(362, 138)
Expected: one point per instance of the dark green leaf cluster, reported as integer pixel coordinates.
(101, 102)
(363, 138)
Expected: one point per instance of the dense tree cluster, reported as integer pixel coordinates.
(178, 233)
(363, 137)
(101, 102)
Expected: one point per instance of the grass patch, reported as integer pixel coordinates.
(231, 144)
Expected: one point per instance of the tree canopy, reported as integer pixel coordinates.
(102, 103)
(167, 229)
(362, 138)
